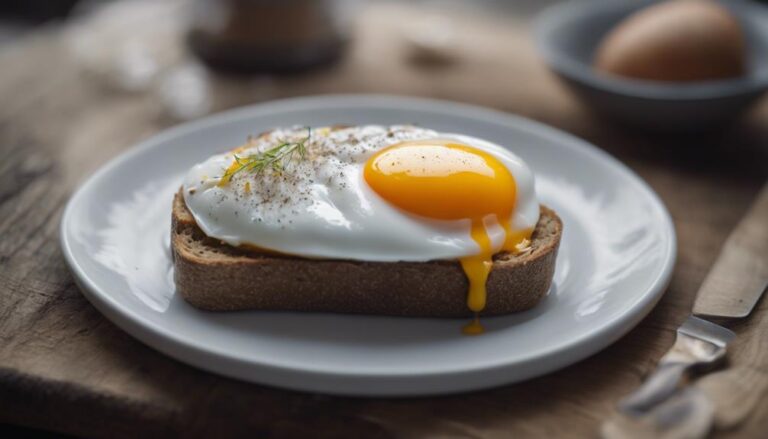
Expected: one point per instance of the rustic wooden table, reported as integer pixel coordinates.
(64, 367)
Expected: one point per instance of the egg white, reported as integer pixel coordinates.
(322, 207)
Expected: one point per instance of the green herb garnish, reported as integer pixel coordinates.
(276, 159)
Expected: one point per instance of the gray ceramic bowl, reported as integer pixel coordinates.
(567, 35)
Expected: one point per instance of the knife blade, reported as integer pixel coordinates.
(739, 277)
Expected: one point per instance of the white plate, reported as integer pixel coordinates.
(616, 257)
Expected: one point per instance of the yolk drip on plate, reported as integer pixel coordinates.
(447, 180)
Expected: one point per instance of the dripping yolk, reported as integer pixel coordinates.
(447, 180)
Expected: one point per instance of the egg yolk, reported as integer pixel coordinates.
(447, 180)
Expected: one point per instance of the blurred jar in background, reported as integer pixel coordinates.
(254, 36)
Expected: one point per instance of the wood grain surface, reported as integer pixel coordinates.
(65, 368)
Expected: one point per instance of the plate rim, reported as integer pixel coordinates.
(210, 359)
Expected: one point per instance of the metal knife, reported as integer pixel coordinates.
(730, 291)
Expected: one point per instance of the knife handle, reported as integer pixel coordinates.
(698, 344)
(656, 388)
(688, 413)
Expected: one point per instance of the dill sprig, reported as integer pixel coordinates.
(276, 159)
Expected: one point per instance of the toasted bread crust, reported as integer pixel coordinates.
(215, 276)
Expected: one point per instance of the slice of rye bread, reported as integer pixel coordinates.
(215, 276)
